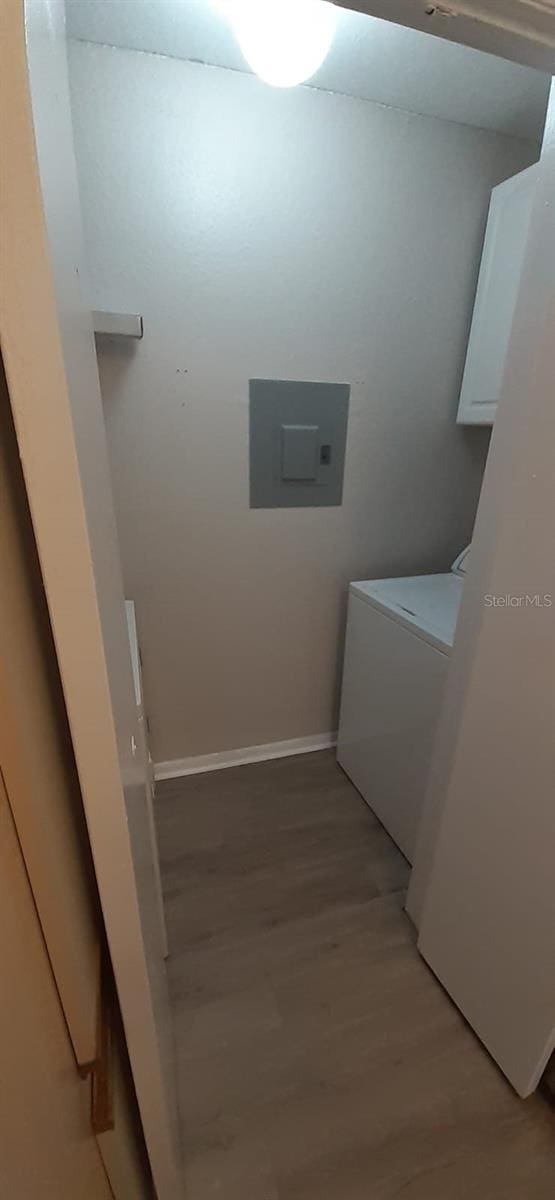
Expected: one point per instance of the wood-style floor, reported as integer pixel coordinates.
(318, 1057)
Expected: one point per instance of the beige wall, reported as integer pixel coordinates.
(293, 235)
(51, 930)
(37, 760)
(47, 1149)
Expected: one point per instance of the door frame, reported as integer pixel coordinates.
(50, 362)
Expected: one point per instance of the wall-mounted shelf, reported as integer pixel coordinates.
(113, 324)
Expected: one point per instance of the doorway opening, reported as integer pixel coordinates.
(301, 325)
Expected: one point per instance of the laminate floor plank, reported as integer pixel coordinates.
(318, 1058)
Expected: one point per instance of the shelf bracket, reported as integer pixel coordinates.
(113, 324)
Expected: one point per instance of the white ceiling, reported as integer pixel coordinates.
(520, 30)
(370, 58)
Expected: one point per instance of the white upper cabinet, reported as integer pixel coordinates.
(498, 283)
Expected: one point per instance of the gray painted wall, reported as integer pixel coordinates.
(290, 234)
(373, 59)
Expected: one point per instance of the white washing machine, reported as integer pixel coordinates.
(399, 638)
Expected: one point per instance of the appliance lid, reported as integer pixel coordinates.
(426, 604)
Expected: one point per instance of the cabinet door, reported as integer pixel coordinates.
(498, 281)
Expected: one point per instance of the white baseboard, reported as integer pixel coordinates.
(237, 758)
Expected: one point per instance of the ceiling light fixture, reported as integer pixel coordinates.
(283, 41)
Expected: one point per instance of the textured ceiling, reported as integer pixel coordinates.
(373, 59)
(521, 30)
